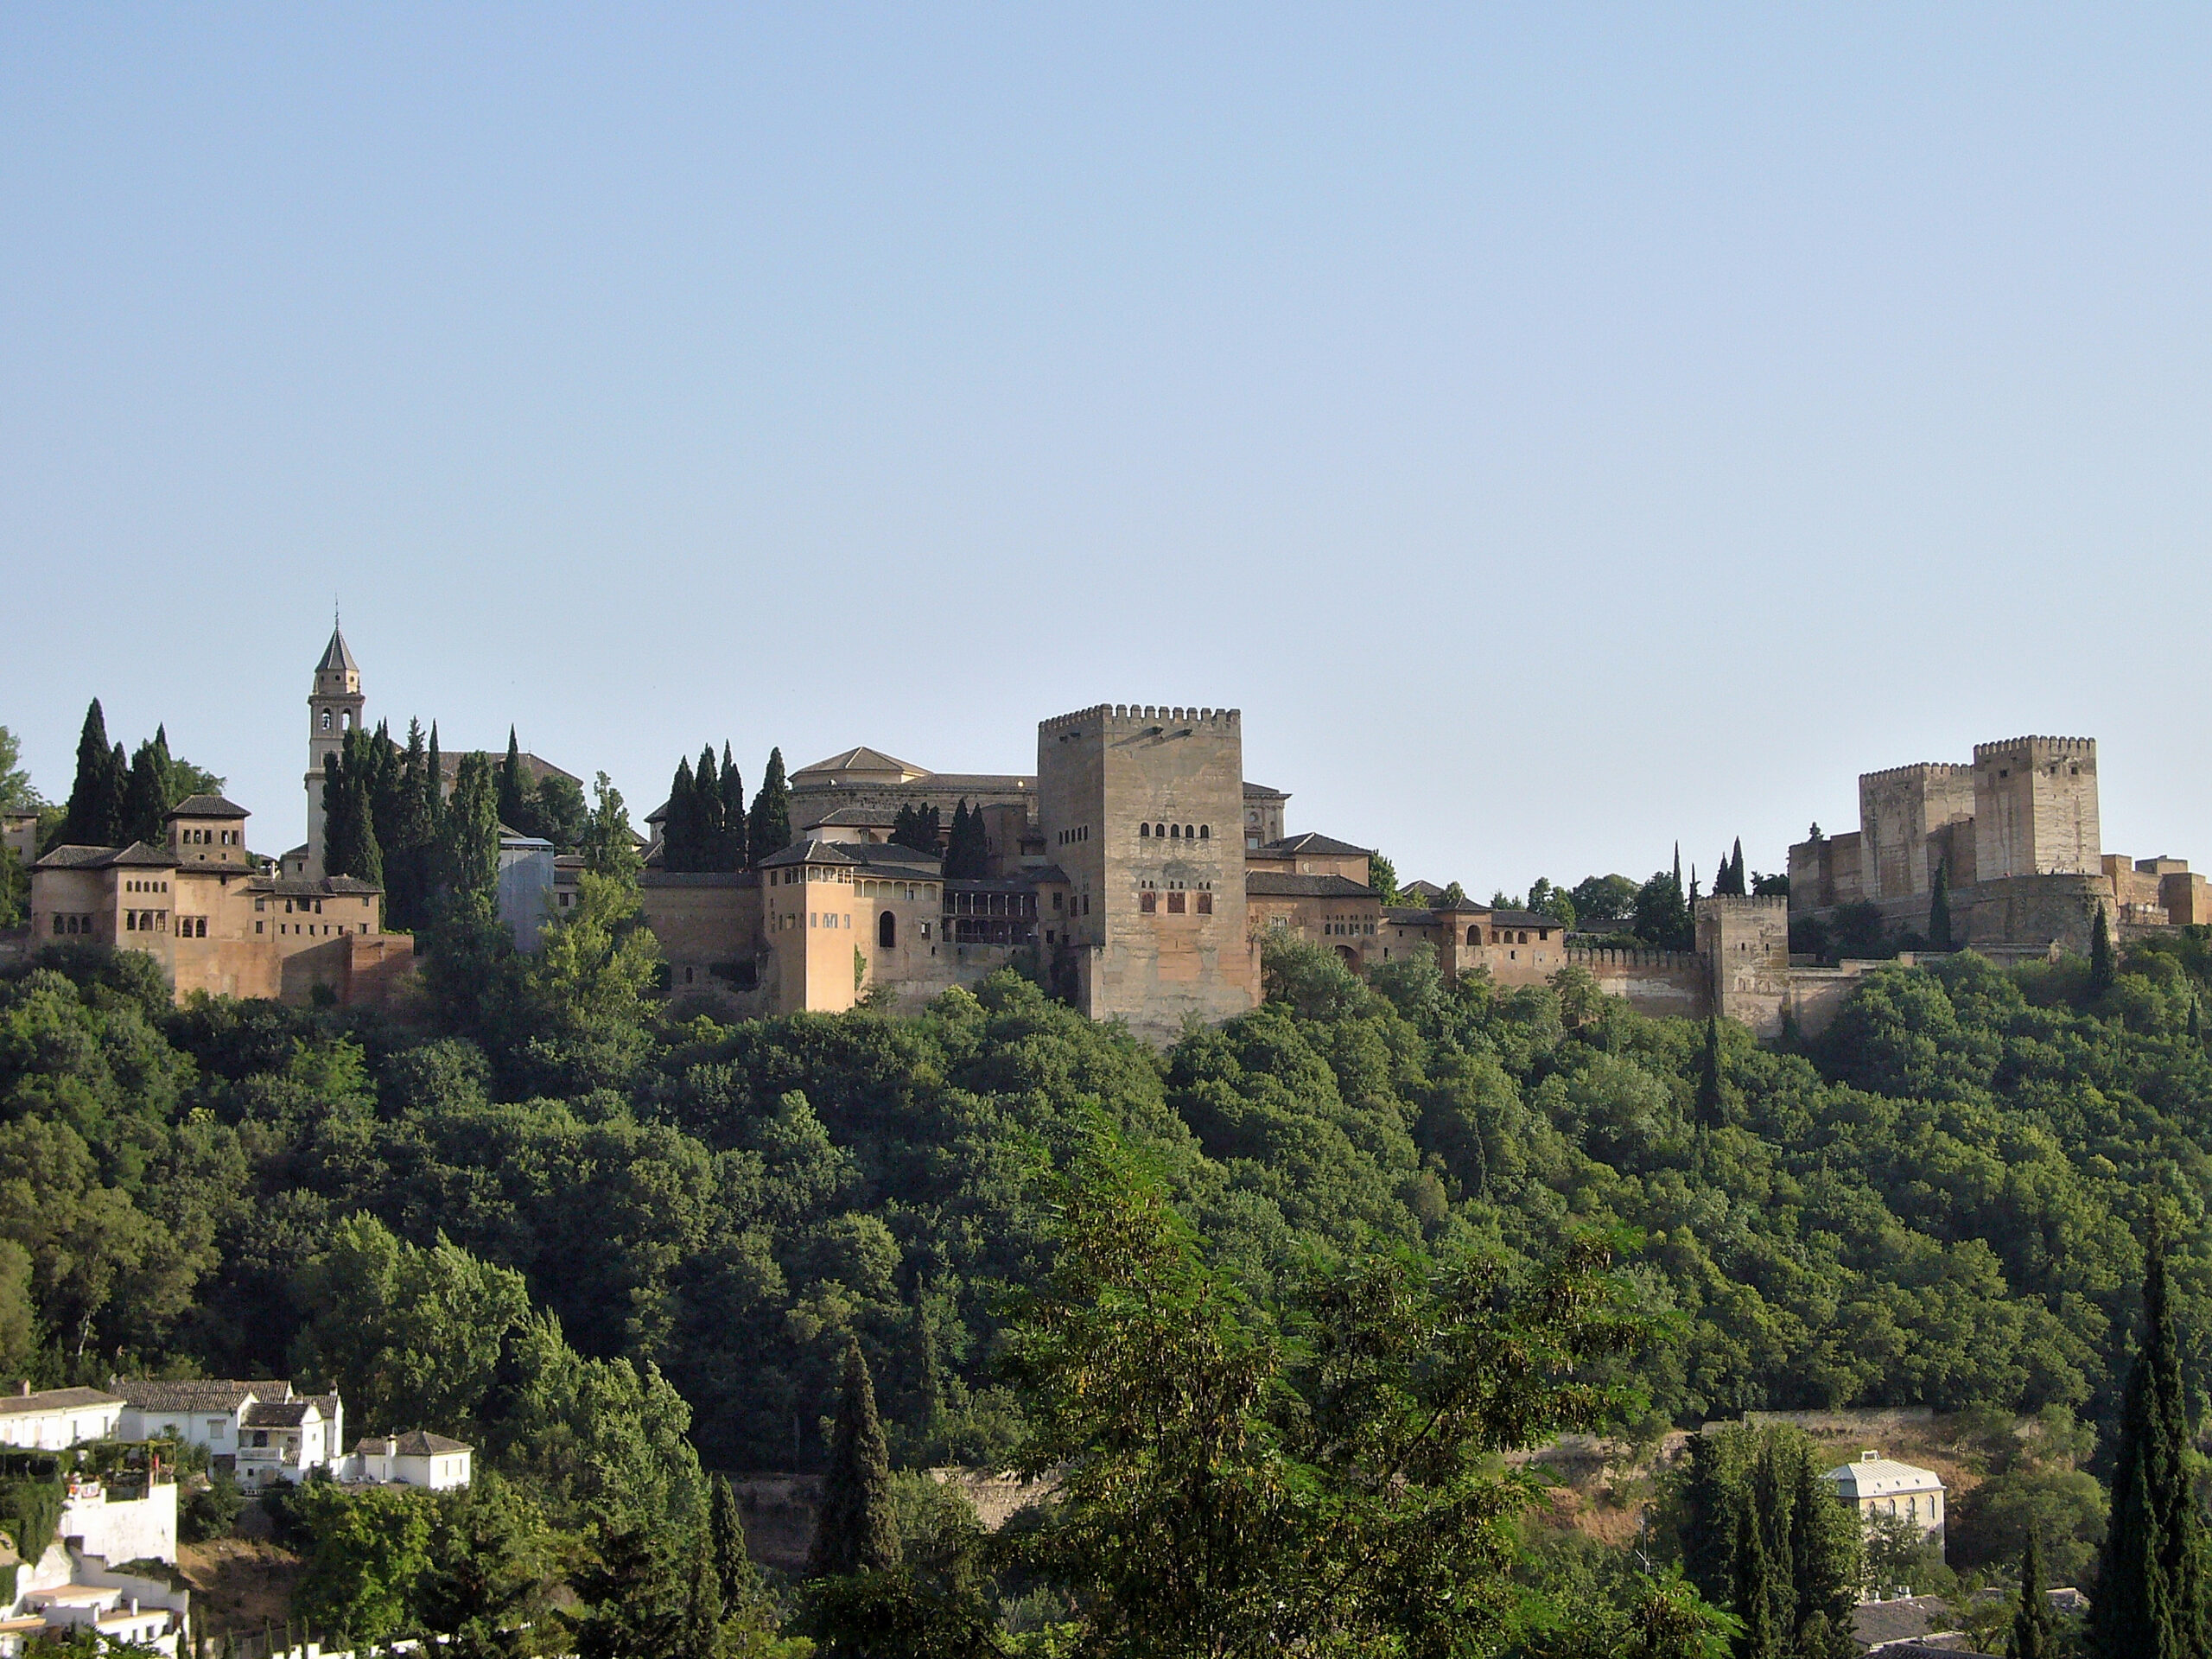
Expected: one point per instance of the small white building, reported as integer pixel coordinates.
(266, 1431)
(50, 1420)
(418, 1458)
(1876, 1485)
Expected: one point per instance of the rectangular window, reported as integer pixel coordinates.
(1205, 904)
(1175, 903)
(1148, 901)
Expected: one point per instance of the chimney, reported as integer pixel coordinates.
(390, 1447)
(1870, 1457)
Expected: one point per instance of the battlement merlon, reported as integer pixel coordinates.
(1136, 716)
(1919, 769)
(1718, 902)
(2037, 748)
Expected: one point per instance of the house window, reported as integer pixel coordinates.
(1205, 904)
(886, 930)
(1145, 830)
(1474, 936)
(1147, 902)
(1175, 903)
(1206, 832)
(1176, 830)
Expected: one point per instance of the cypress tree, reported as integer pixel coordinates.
(734, 853)
(517, 811)
(2150, 1602)
(679, 835)
(337, 822)
(1736, 876)
(406, 840)
(2031, 1619)
(726, 1539)
(769, 829)
(1755, 1588)
(356, 770)
(433, 789)
(1711, 1106)
(856, 1532)
(145, 798)
(707, 823)
(470, 843)
(94, 816)
(2102, 970)
(1939, 907)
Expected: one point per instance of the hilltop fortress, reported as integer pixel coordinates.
(2012, 842)
(1136, 872)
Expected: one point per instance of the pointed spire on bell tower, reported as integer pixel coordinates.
(334, 708)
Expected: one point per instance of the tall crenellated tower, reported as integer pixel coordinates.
(2034, 808)
(1143, 808)
(333, 709)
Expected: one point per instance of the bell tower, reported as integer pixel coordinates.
(333, 709)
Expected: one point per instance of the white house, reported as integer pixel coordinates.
(1876, 1485)
(419, 1458)
(51, 1419)
(268, 1432)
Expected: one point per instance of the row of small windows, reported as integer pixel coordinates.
(145, 921)
(145, 886)
(1349, 928)
(1175, 832)
(319, 929)
(1149, 902)
(1067, 837)
(68, 925)
(208, 837)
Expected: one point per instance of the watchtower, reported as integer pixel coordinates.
(333, 708)
(1143, 807)
(1745, 945)
(2034, 808)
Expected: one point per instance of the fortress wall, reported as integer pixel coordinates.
(1658, 982)
(2033, 910)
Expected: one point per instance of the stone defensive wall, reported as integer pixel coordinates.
(1134, 715)
(1660, 982)
(1918, 769)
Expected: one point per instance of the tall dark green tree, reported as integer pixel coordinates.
(610, 847)
(2031, 1631)
(403, 819)
(1711, 1108)
(735, 853)
(857, 1531)
(470, 832)
(2103, 969)
(349, 786)
(769, 828)
(1939, 907)
(94, 816)
(917, 826)
(707, 808)
(2152, 1580)
(967, 850)
(517, 810)
(679, 824)
(1763, 1536)
(145, 798)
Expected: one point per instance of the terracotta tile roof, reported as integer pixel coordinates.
(415, 1443)
(196, 1393)
(42, 1400)
(136, 856)
(1267, 884)
(863, 760)
(276, 1413)
(1310, 845)
(208, 806)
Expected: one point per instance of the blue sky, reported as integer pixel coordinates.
(1559, 429)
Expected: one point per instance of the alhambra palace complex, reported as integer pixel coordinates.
(1137, 871)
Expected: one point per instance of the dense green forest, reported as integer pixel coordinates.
(611, 1244)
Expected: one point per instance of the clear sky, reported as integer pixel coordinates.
(1558, 430)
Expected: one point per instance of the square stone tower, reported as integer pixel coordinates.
(1143, 807)
(1902, 815)
(2034, 808)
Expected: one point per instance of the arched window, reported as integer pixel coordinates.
(1145, 830)
(1474, 936)
(1159, 828)
(1176, 830)
(1206, 832)
(886, 930)
(1148, 901)
(1189, 833)
(326, 719)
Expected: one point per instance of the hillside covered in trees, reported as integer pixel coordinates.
(613, 1244)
